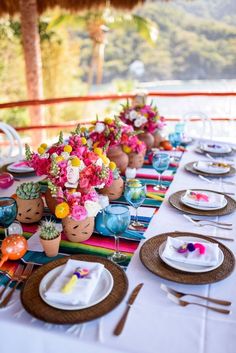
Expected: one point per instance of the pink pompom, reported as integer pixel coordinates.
(201, 247)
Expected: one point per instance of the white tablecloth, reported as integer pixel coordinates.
(155, 324)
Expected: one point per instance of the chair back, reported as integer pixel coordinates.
(13, 150)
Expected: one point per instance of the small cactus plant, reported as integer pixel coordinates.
(48, 230)
(28, 191)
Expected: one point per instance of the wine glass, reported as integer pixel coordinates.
(175, 138)
(8, 212)
(135, 194)
(160, 163)
(116, 218)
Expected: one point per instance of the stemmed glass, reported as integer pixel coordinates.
(135, 194)
(8, 212)
(175, 138)
(160, 163)
(116, 219)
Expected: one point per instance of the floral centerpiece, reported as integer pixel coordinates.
(144, 117)
(73, 171)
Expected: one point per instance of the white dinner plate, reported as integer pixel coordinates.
(189, 267)
(19, 167)
(202, 208)
(212, 170)
(216, 148)
(102, 290)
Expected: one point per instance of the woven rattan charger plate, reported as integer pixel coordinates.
(33, 303)
(175, 201)
(215, 154)
(149, 255)
(17, 175)
(190, 168)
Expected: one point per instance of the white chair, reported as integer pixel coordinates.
(14, 149)
(199, 129)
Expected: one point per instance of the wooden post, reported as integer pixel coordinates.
(33, 62)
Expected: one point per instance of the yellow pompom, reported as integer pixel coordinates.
(67, 148)
(75, 162)
(62, 210)
(44, 146)
(91, 128)
(83, 129)
(98, 151)
(108, 121)
(112, 165)
(83, 140)
(127, 149)
(41, 150)
(59, 159)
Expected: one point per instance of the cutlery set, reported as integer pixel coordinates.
(176, 296)
(19, 276)
(216, 179)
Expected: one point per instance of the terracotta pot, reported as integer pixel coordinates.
(147, 138)
(50, 201)
(114, 191)
(29, 211)
(78, 231)
(136, 160)
(51, 247)
(117, 155)
(157, 139)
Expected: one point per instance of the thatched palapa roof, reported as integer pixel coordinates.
(11, 7)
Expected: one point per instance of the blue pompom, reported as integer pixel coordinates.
(190, 247)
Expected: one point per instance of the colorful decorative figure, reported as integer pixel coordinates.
(78, 274)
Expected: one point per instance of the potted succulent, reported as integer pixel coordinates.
(50, 237)
(29, 203)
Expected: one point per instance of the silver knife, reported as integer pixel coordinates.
(120, 325)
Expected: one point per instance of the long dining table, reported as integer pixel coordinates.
(155, 323)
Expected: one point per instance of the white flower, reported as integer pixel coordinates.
(140, 121)
(101, 186)
(72, 174)
(103, 201)
(99, 162)
(132, 115)
(99, 127)
(89, 143)
(54, 155)
(92, 208)
(65, 155)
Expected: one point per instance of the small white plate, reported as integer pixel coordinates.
(202, 208)
(188, 267)
(19, 167)
(101, 291)
(212, 170)
(219, 148)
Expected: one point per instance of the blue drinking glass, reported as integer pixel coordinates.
(160, 163)
(116, 219)
(175, 139)
(8, 212)
(135, 194)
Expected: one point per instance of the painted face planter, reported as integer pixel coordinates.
(78, 231)
(136, 160)
(114, 191)
(29, 203)
(50, 201)
(147, 138)
(120, 158)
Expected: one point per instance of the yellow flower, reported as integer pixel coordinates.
(59, 159)
(62, 210)
(127, 149)
(41, 150)
(96, 144)
(83, 140)
(83, 129)
(91, 128)
(75, 162)
(67, 148)
(104, 158)
(108, 121)
(44, 146)
(98, 151)
(71, 191)
(112, 165)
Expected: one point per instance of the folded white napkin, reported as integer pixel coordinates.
(84, 287)
(20, 166)
(209, 258)
(216, 147)
(210, 167)
(208, 199)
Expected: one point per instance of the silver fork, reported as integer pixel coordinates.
(181, 294)
(185, 303)
(217, 179)
(207, 221)
(199, 224)
(27, 271)
(15, 277)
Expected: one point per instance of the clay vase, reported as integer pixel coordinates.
(115, 190)
(136, 160)
(51, 246)
(29, 211)
(78, 231)
(147, 138)
(157, 139)
(50, 201)
(117, 155)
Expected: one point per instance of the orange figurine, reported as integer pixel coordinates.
(13, 248)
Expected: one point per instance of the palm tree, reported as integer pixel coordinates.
(97, 24)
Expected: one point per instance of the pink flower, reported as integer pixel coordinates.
(78, 212)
